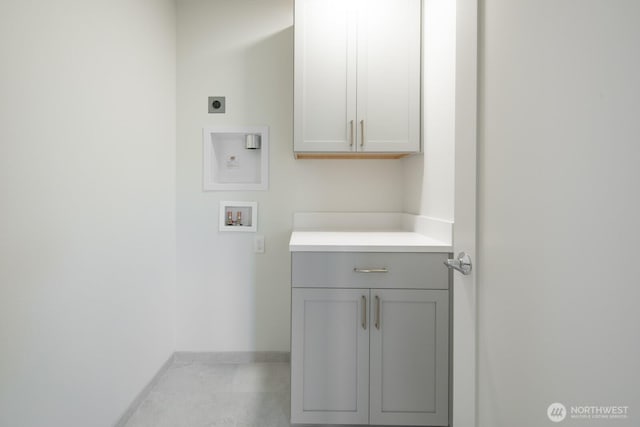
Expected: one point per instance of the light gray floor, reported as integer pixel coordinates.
(201, 394)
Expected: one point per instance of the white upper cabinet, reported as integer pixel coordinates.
(357, 76)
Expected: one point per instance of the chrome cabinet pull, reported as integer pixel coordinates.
(364, 312)
(377, 320)
(362, 133)
(371, 270)
(351, 133)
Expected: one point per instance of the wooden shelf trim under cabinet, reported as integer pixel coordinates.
(358, 156)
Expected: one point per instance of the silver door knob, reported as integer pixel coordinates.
(462, 263)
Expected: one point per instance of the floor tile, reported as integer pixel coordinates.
(210, 395)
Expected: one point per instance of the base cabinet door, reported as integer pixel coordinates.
(409, 357)
(330, 356)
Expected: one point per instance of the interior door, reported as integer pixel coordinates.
(464, 231)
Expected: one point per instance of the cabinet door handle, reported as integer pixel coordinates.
(364, 312)
(362, 133)
(377, 320)
(351, 133)
(371, 270)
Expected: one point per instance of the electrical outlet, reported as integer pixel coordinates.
(216, 104)
(258, 244)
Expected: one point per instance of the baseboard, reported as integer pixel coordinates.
(143, 393)
(181, 357)
(231, 357)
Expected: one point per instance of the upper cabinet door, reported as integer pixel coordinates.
(389, 54)
(325, 75)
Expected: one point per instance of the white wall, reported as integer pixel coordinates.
(87, 223)
(429, 178)
(558, 188)
(228, 298)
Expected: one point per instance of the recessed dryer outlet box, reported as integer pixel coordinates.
(236, 158)
(217, 104)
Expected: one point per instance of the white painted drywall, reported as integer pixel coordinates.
(559, 205)
(87, 223)
(228, 298)
(429, 178)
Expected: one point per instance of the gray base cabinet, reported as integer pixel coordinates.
(375, 356)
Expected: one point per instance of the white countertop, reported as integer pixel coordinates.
(365, 241)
